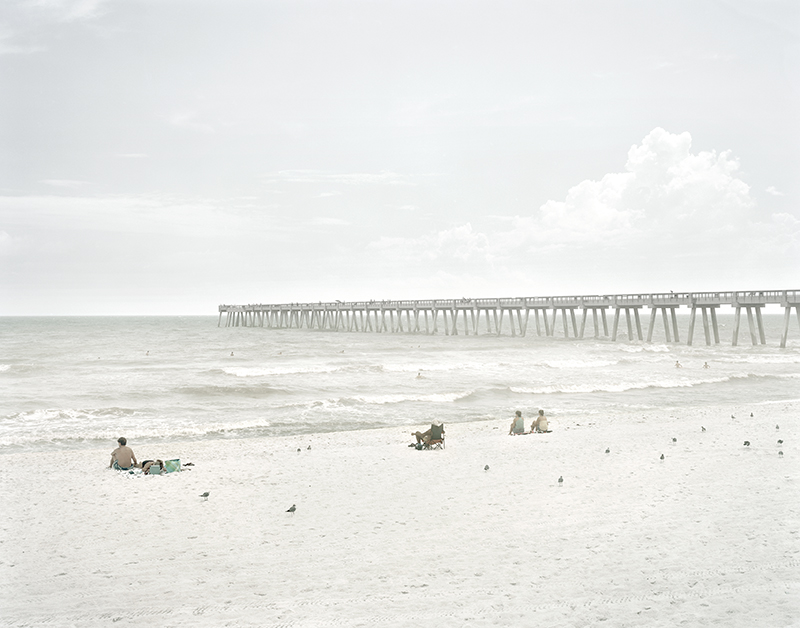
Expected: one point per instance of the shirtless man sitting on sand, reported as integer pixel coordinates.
(122, 458)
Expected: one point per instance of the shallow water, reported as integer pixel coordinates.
(80, 381)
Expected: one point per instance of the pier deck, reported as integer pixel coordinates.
(468, 316)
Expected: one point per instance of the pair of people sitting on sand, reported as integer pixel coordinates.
(123, 459)
(518, 424)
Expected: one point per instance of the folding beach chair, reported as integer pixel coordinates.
(436, 441)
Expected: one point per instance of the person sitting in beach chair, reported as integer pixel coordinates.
(540, 424)
(517, 425)
(432, 438)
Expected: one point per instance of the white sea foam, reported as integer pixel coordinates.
(265, 371)
(188, 387)
(399, 398)
(624, 386)
(579, 364)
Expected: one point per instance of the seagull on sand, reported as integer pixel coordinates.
(674, 440)
(205, 495)
(702, 429)
(309, 447)
(747, 443)
(608, 450)
(780, 441)
(292, 509)
(777, 427)
(560, 480)
(486, 468)
(662, 456)
(780, 453)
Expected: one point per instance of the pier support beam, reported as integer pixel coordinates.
(666, 320)
(628, 321)
(564, 324)
(594, 310)
(787, 315)
(751, 323)
(704, 309)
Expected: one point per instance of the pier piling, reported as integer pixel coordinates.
(464, 315)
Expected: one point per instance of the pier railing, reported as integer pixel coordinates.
(454, 316)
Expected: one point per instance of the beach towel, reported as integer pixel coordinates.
(172, 465)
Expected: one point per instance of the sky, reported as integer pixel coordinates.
(168, 156)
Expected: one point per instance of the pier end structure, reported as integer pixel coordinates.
(513, 315)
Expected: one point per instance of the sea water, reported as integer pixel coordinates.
(69, 382)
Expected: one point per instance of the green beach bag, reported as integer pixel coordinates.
(172, 465)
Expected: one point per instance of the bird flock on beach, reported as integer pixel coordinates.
(560, 482)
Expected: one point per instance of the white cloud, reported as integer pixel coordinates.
(774, 192)
(190, 120)
(351, 178)
(670, 203)
(327, 221)
(7, 244)
(70, 184)
(9, 47)
(458, 245)
(69, 10)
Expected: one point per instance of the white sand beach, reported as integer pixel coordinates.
(387, 535)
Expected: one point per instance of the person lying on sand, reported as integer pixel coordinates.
(146, 464)
(517, 425)
(122, 458)
(540, 424)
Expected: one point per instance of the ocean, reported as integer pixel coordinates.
(75, 382)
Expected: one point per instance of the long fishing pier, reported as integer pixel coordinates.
(467, 316)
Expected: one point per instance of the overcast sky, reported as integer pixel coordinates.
(166, 156)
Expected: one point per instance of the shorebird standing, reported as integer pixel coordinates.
(486, 468)
(292, 509)
(747, 443)
(560, 480)
(608, 450)
(702, 429)
(662, 456)
(205, 495)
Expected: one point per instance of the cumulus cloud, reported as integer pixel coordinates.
(453, 246)
(69, 10)
(669, 203)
